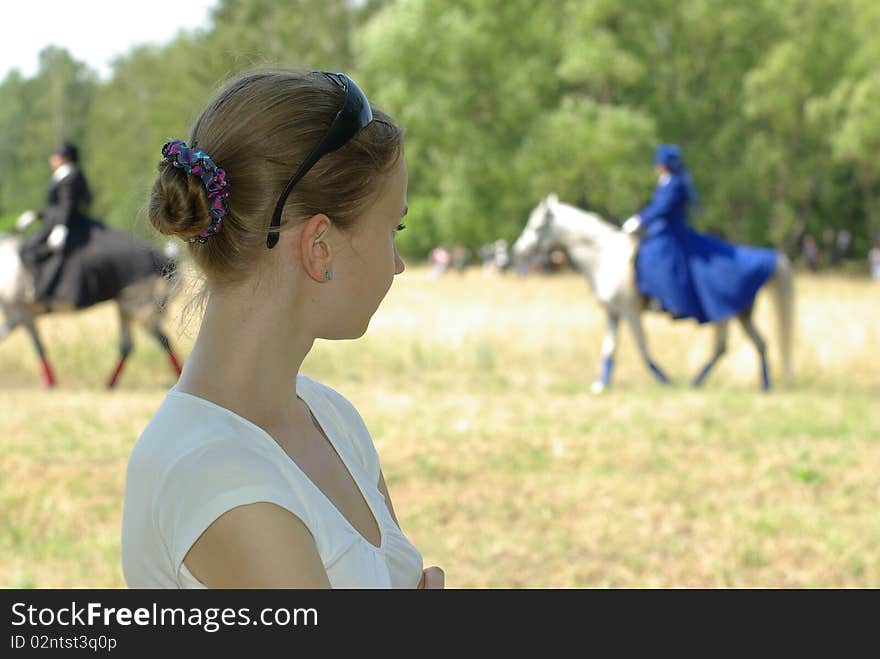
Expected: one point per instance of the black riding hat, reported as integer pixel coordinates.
(68, 151)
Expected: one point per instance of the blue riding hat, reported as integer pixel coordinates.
(668, 155)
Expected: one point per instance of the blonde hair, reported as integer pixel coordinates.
(259, 129)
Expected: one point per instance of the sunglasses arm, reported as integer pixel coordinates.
(308, 163)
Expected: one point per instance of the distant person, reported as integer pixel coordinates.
(691, 274)
(251, 474)
(65, 229)
(501, 259)
(842, 245)
(874, 261)
(557, 260)
(460, 257)
(810, 253)
(547, 263)
(523, 266)
(487, 256)
(438, 261)
(828, 248)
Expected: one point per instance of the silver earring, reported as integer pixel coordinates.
(328, 274)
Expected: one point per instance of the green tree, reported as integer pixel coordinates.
(36, 115)
(791, 152)
(152, 97)
(297, 33)
(156, 93)
(467, 79)
(773, 101)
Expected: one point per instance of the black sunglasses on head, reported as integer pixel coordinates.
(353, 116)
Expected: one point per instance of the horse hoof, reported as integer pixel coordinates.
(597, 387)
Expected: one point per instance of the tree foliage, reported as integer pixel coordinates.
(776, 104)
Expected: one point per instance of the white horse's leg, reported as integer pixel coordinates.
(745, 318)
(634, 318)
(125, 344)
(721, 328)
(609, 345)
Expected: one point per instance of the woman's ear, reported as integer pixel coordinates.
(314, 246)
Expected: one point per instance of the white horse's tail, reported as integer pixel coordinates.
(171, 279)
(16, 284)
(783, 288)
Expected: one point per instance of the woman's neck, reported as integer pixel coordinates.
(246, 358)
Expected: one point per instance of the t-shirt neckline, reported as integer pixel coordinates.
(318, 418)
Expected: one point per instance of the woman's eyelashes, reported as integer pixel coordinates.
(400, 227)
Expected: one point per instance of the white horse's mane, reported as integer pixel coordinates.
(598, 249)
(577, 220)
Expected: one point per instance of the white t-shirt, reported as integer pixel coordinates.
(196, 460)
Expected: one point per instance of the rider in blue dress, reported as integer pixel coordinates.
(690, 274)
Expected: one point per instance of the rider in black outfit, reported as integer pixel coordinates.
(65, 228)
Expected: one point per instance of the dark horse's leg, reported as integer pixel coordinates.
(48, 376)
(745, 318)
(125, 345)
(166, 345)
(720, 348)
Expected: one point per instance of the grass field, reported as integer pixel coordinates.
(504, 470)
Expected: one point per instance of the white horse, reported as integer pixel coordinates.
(143, 301)
(606, 256)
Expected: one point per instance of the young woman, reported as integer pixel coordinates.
(290, 192)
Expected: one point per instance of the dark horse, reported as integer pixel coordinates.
(114, 266)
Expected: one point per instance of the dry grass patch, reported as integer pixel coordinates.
(503, 469)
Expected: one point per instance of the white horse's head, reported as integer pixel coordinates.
(538, 234)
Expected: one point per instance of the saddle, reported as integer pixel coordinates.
(96, 268)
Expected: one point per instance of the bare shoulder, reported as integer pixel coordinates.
(259, 545)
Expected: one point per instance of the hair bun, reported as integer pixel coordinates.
(178, 203)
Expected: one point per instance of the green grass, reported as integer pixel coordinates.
(504, 470)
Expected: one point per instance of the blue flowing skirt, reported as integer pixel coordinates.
(694, 275)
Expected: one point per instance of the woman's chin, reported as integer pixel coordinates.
(346, 334)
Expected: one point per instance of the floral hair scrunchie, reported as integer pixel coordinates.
(197, 162)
